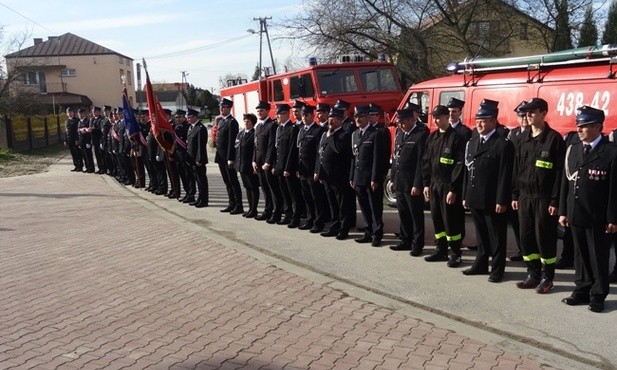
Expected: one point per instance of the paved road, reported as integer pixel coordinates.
(97, 275)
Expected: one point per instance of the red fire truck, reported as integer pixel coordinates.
(566, 80)
(358, 83)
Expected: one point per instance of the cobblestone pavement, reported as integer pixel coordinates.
(93, 277)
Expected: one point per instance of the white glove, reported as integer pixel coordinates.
(101, 146)
(88, 146)
(158, 158)
(113, 151)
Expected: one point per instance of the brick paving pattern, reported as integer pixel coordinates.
(85, 285)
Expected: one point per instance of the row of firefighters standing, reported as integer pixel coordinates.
(318, 168)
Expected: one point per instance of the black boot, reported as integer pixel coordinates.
(441, 251)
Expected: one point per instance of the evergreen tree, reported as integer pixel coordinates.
(589, 30)
(563, 36)
(610, 28)
(256, 73)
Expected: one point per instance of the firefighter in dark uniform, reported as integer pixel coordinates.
(455, 109)
(366, 175)
(169, 157)
(612, 277)
(117, 143)
(375, 113)
(226, 155)
(409, 148)
(106, 141)
(487, 190)
(263, 158)
(442, 174)
(71, 140)
(322, 206)
(515, 136)
(197, 157)
(245, 148)
(314, 196)
(332, 169)
(588, 204)
(286, 166)
(144, 121)
(566, 260)
(349, 126)
(85, 139)
(96, 130)
(538, 166)
(185, 171)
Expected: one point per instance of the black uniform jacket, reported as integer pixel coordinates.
(71, 130)
(538, 166)
(196, 143)
(308, 142)
(333, 157)
(488, 176)
(589, 187)
(444, 161)
(408, 156)
(245, 147)
(367, 163)
(225, 139)
(84, 136)
(463, 130)
(96, 128)
(265, 140)
(286, 148)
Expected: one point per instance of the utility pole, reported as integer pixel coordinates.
(184, 74)
(263, 28)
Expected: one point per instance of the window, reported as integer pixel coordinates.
(302, 86)
(120, 59)
(422, 99)
(128, 62)
(34, 77)
(129, 80)
(445, 96)
(277, 86)
(522, 33)
(489, 36)
(380, 79)
(68, 73)
(337, 81)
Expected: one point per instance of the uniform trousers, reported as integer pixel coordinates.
(201, 178)
(98, 154)
(411, 215)
(591, 258)
(78, 161)
(491, 231)
(250, 182)
(538, 233)
(315, 200)
(265, 187)
(232, 184)
(86, 154)
(448, 220)
(339, 203)
(174, 176)
(371, 206)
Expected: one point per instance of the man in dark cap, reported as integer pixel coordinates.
(96, 130)
(332, 169)
(375, 120)
(367, 175)
(106, 140)
(455, 107)
(264, 157)
(296, 111)
(185, 171)
(588, 205)
(225, 156)
(487, 190)
(348, 125)
(442, 175)
(538, 167)
(245, 148)
(197, 159)
(85, 139)
(286, 166)
(313, 192)
(322, 110)
(409, 147)
(71, 140)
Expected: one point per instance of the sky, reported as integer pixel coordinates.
(207, 39)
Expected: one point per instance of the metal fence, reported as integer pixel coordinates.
(21, 133)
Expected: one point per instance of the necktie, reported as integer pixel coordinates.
(586, 149)
(482, 141)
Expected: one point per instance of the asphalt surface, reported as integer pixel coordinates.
(95, 274)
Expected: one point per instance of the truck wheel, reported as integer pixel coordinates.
(389, 196)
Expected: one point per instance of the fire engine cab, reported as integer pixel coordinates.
(566, 80)
(357, 82)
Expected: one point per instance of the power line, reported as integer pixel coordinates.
(26, 18)
(198, 49)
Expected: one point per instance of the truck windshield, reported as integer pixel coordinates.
(378, 79)
(337, 81)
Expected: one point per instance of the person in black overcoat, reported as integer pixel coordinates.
(197, 156)
(245, 148)
(263, 157)
(226, 155)
(487, 190)
(588, 205)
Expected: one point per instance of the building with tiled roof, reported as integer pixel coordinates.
(68, 70)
